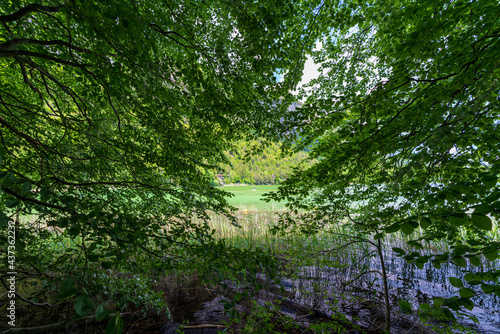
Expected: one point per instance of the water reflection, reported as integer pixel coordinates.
(316, 286)
(419, 285)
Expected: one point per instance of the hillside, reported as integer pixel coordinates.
(265, 167)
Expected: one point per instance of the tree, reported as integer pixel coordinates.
(111, 117)
(405, 121)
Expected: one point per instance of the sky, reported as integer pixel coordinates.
(310, 71)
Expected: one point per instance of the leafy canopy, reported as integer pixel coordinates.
(404, 119)
(111, 115)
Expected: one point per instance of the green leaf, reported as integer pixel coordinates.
(491, 183)
(458, 220)
(83, 305)
(12, 204)
(67, 288)
(436, 264)
(483, 209)
(115, 325)
(8, 180)
(456, 282)
(399, 251)
(432, 201)
(424, 317)
(460, 261)
(425, 307)
(438, 301)
(425, 223)
(93, 257)
(452, 303)
(63, 222)
(107, 265)
(448, 313)
(44, 193)
(464, 189)
(460, 250)
(413, 223)
(74, 230)
(467, 303)
(491, 255)
(407, 228)
(475, 261)
(488, 288)
(479, 189)
(469, 277)
(405, 306)
(101, 313)
(393, 228)
(421, 261)
(473, 242)
(92, 247)
(466, 293)
(25, 187)
(482, 222)
(122, 256)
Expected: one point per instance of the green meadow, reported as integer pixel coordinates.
(245, 197)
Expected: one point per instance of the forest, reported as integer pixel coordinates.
(377, 199)
(265, 167)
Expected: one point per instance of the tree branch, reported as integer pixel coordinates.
(26, 10)
(16, 53)
(18, 41)
(24, 198)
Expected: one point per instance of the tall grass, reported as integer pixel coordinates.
(322, 248)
